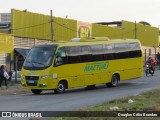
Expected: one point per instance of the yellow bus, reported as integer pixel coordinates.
(84, 62)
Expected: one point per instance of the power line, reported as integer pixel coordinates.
(94, 35)
(65, 26)
(30, 26)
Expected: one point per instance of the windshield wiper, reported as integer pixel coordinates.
(40, 63)
(34, 62)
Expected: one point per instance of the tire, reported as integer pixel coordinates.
(152, 73)
(60, 88)
(146, 72)
(114, 81)
(36, 91)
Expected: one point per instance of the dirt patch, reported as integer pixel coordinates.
(13, 89)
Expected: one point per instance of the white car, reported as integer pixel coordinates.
(18, 76)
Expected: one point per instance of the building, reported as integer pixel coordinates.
(28, 29)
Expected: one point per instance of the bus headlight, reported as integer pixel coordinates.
(23, 84)
(44, 77)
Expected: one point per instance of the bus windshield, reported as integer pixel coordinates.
(39, 57)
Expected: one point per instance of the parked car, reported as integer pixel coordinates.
(18, 76)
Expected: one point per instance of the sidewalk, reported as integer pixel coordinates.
(13, 88)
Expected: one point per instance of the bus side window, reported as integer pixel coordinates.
(109, 52)
(134, 50)
(86, 54)
(73, 54)
(121, 50)
(61, 57)
(98, 52)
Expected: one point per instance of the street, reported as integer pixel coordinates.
(74, 99)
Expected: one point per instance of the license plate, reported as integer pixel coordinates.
(30, 81)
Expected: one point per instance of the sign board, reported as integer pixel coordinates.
(84, 29)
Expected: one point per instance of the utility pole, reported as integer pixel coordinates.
(135, 30)
(52, 32)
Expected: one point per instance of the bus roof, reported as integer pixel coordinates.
(90, 41)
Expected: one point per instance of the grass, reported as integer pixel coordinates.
(142, 102)
(147, 101)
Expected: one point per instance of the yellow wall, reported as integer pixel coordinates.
(64, 29)
(106, 31)
(33, 25)
(6, 44)
(147, 35)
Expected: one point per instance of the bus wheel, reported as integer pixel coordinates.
(146, 72)
(114, 81)
(36, 92)
(60, 88)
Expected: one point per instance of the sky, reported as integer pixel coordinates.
(91, 10)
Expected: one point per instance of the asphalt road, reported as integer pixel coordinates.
(76, 98)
